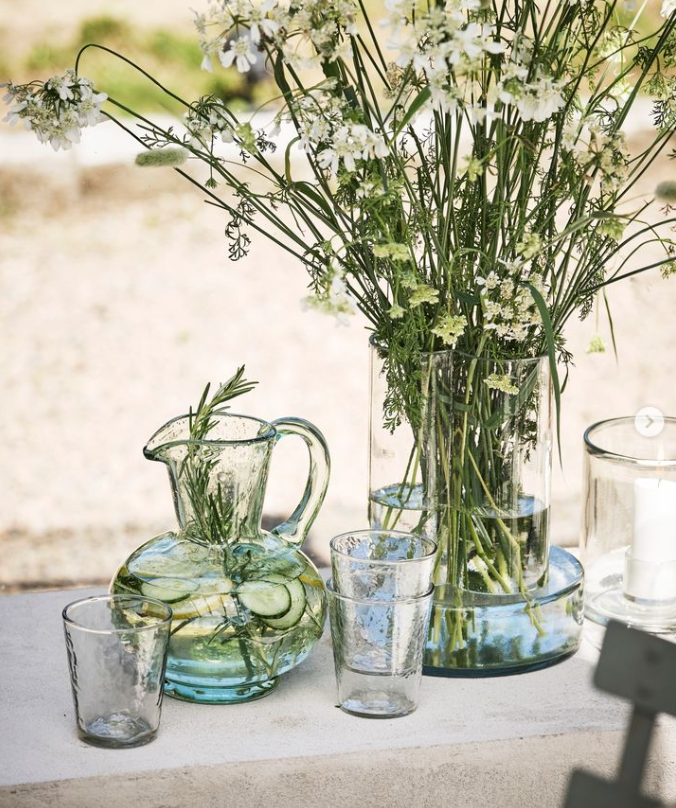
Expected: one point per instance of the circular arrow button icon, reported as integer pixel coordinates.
(649, 422)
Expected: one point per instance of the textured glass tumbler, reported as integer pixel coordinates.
(377, 651)
(382, 564)
(117, 650)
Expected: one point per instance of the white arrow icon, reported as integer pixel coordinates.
(649, 422)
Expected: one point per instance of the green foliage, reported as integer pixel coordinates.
(168, 46)
(105, 29)
(45, 57)
(174, 55)
(201, 418)
(212, 510)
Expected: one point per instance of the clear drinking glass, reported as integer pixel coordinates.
(117, 650)
(377, 651)
(382, 564)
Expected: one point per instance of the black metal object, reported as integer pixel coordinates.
(639, 667)
(589, 791)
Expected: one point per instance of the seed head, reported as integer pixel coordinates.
(157, 158)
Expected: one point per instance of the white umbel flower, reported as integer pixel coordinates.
(260, 23)
(540, 100)
(240, 54)
(58, 110)
(351, 142)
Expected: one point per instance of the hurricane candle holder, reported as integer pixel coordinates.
(628, 538)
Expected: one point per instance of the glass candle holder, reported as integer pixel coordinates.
(628, 539)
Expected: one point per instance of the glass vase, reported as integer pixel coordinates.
(628, 537)
(469, 465)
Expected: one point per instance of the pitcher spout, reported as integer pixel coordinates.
(218, 483)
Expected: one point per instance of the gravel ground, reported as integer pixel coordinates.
(119, 303)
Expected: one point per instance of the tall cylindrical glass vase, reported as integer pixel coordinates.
(469, 465)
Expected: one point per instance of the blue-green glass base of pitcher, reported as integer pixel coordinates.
(219, 695)
(220, 651)
(505, 634)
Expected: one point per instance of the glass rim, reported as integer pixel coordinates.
(269, 434)
(625, 420)
(372, 602)
(383, 561)
(158, 621)
(521, 359)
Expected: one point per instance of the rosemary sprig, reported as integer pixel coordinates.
(212, 507)
(201, 419)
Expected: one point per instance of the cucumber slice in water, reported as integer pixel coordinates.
(296, 611)
(169, 590)
(199, 606)
(265, 598)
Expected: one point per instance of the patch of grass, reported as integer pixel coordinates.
(172, 57)
(105, 29)
(8, 209)
(167, 46)
(45, 57)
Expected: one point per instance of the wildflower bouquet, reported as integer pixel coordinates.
(470, 190)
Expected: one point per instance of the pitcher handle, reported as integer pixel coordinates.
(298, 525)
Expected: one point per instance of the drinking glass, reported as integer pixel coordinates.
(382, 564)
(117, 650)
(377, 651)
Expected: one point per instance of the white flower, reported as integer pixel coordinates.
(490, 282)
(14, 115)
(89, 108)
(450, 328)
(471, 42)
(539, 101)
(334, 297)
(423, 294)
(9, 95)
(57, 110)
(259, 21)
(329, 160)
(62, 85)
(596, 345)
(240, 53)
(409, 53)
(444, 98)
(503, 383)
(668, 7)
(351, 142)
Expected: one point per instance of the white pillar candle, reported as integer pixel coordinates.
(650, 569)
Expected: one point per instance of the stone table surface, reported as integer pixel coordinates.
(509, 741)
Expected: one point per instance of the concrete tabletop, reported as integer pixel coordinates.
(472, 742)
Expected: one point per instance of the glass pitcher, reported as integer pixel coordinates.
(248, 604)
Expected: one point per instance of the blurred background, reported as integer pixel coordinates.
(119, 302)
